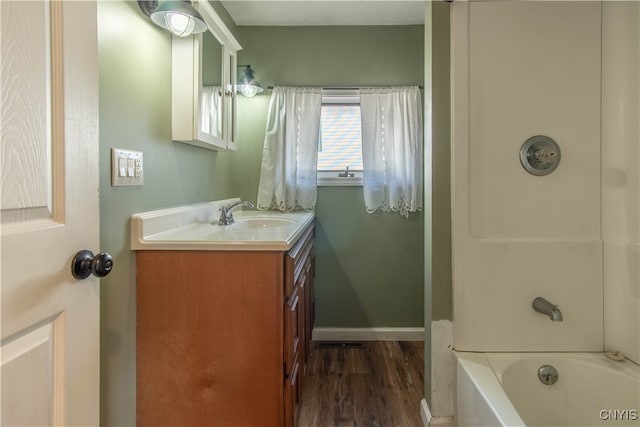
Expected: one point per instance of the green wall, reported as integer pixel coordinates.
(437, 218)
(135, 113)
(441, 212)
(369, 267)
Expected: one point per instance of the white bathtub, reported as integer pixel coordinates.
(503, 389)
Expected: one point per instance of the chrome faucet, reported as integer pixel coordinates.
(226, 214)
(543, 306)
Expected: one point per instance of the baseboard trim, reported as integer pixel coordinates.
(368, 334)
(430, 421)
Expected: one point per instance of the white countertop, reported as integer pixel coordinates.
(195, 227)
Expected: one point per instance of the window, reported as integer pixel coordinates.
(340, 142)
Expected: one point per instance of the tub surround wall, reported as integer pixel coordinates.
(524, 69)
(571, 237)
(621, 176)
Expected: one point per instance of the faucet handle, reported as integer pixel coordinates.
(225, 216)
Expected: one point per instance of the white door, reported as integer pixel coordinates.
(49, 146)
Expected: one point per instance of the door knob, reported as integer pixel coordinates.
(85, 264)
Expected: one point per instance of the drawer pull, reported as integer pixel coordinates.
(301, 263)
(294, 304)
(293, 253)
(294, 375)
(293, 296)
(303, 281)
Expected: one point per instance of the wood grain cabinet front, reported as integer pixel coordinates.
(223, 337)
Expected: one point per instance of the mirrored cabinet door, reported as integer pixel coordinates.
(203, 85)
(211, 91)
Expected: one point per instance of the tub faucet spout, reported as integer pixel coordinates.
(543, 306)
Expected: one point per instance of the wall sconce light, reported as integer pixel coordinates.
(247, 83)
(177, 16)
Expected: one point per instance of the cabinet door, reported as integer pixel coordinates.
(209, 338)
(291, 393)
(309, 309)
(203, 85)
(292, 331)
(196, 114)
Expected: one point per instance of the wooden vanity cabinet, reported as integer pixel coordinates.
(223, 337)
(298, 323)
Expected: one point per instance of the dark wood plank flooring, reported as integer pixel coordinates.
(378, 385)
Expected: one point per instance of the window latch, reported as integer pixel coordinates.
(346, 173)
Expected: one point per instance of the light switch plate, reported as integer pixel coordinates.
(126, 167)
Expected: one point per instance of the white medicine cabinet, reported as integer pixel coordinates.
(203, 89)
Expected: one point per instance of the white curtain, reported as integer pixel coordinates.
(392, 149)
(211, 110)
(290, 153)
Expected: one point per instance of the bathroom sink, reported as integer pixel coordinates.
(259, 223)
(190, 232)
(195, 227)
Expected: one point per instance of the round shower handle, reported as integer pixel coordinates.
(540, 155)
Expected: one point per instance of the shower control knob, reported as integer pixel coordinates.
(540, 155)
(85, 264)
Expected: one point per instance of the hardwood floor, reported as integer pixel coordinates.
(377, 385)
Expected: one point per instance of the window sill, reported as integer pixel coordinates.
(331, 179)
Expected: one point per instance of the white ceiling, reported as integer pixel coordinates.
(326, 12)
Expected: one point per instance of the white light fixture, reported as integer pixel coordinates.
(177, 16)
(247, 83)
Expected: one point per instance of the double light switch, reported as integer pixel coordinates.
(126, 167)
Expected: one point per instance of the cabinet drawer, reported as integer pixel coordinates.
(291, 329)
(291, 396)
(309, 311)
(296, 259)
